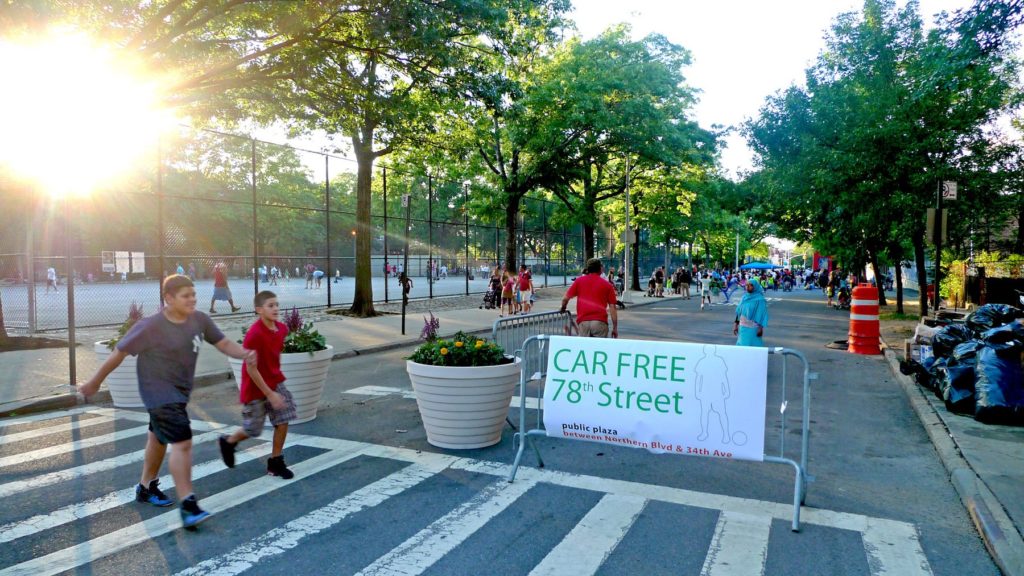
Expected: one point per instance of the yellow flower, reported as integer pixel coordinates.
(444, 351)
(479, 343)
(458, 344)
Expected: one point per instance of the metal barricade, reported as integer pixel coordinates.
(534, 367)
(510, 333)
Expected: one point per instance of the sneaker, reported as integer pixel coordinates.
(152, 495)
(212, 311)
(276, 467)
(191, 513)
(236, 308)
(227, 451)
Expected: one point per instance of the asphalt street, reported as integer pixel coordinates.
(372, 497)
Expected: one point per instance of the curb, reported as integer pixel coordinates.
(997, 530)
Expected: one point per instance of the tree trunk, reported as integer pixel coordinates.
(588, 242)
(362, 300)
(922, 274)
(511, 222)
(899, 288)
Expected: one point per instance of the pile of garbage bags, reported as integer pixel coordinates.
(976, 367)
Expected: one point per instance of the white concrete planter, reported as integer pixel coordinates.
(463, 407)
(123, 382)
(305, 375)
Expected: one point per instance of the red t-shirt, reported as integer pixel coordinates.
(220, 279)
(524, 281)
(268, 345)
(593, 295)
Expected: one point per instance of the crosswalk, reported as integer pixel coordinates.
(387, 510)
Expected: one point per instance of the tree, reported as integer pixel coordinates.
(623, 98)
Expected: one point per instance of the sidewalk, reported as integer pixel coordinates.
(984, 465)
(983, 462)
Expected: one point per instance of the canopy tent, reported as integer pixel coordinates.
(759, 266)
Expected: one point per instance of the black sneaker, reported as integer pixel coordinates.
(276, 467)
(191, 513)
(152, 495)
(227, 451)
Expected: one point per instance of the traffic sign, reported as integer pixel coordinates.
(949, 190)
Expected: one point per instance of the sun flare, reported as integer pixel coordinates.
(73, 113)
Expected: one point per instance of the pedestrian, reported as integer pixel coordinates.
(318, 275)
(51, 279)
(705, 291)
(192, 271)
(595, 301)
(262, 391)
(507, 294)
(274, 273)
(659, 282)
(684, 282)
(310, 268)
(179, 270)
(406, 283)
(337, 275)
(220, 288)
(751, 316)
(167, 345)
(525, 288)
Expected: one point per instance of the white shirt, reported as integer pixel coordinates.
(51, 274)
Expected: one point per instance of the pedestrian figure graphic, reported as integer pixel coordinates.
(712, 390)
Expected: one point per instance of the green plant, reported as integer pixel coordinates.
(302, 337)
(134, 315)
(460, 350)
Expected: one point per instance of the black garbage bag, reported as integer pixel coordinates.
(949, 338)
(999, 385)
(992, 316)
(958, 377)
(931, 376)
(1012, 334)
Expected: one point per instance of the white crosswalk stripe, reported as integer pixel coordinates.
(531, 402)
(739, 544)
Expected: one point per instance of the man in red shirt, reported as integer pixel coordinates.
(595, 301)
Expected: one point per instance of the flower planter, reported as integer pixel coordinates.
(305, 375)
(123, 382)
(463, 407)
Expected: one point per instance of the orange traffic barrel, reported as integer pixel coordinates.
(864, 332)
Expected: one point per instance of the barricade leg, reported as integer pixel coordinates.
(799, 490)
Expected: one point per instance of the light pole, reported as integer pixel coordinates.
(353, 252)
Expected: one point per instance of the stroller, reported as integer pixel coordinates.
(492, 296)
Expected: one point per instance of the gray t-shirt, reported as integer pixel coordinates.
(167, 355)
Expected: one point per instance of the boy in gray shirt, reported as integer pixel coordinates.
(167, 345)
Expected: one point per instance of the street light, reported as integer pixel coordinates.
(353, 252)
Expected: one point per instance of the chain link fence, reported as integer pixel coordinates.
(277, 217)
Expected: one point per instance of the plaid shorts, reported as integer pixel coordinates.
(254, 414)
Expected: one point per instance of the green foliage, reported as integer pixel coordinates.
(460, 350)
(305, 339)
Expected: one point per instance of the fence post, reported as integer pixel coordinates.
(465, 213)
(384, 181)
(72, 365)
(31, 270)
(547, 251)
(327, 207)
(430, 235)
(565, 248)
(159, 218)
(255, 230)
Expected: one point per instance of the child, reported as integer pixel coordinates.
(508, 295)
(263, 392)
(167, 344)
(705, 292)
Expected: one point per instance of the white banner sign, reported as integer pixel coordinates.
(697, 399)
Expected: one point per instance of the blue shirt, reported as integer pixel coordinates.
(167, 355)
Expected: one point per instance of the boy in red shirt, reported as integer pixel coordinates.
(262, 392)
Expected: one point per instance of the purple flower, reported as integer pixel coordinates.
(293, 320)
(430, 328)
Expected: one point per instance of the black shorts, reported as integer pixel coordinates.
(170, 423)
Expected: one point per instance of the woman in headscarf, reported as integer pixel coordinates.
(751, 316)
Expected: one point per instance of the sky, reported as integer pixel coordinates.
(742, 50)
